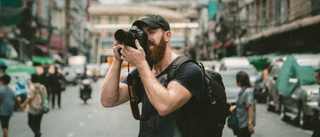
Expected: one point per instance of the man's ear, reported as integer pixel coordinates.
(167, 35)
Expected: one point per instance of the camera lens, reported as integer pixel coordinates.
(123, 36)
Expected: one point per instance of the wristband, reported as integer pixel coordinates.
(250, 122)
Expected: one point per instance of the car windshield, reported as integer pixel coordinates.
(229, 80)
(250, 71)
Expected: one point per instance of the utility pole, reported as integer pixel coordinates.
(237, 30)
(67, 37)
(49, 27)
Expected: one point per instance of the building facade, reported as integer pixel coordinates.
(272, 26)
(107, 19)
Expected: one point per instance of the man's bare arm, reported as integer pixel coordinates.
(165, 100)
(113, 92)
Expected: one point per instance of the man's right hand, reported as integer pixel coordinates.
(116, 47)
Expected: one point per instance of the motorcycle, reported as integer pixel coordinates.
(85, 90)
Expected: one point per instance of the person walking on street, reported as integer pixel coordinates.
(83, 75)
(33, 104)
(57, 79)
(7, 97)
(46, 79)
(245, 108)
(316, 116)
(162, 100)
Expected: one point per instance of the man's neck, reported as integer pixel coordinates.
(167, 59)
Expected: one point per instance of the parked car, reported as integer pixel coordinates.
(70, 75)
(297, 88)
(249, 69)
(209, 64)
(231, 88)
(20, 84)
(233, 61)
(78, 69)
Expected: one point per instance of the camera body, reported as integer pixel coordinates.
(128, 37)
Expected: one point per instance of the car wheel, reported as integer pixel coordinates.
(283, 115)
(302, 118)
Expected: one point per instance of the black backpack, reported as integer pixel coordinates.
(208, 116)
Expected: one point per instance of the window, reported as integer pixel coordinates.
(110, 20)
(133, 19)
(98, 20)
(92, 21)
(113, 20)
(95, 20)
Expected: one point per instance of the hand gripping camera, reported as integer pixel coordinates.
(128, 37)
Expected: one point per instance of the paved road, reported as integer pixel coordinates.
(76, 119)
(269, 125)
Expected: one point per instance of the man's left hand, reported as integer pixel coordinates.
(132, 55)
(251, 128)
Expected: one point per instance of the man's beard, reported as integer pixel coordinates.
(157, 52)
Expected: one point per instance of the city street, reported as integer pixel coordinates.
(76, 119)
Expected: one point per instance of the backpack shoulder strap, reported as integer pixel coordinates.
(176, 64)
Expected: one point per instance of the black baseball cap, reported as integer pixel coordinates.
(154, 21)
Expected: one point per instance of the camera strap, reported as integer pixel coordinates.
(134, 100)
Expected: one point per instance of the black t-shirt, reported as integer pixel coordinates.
(188, 75)
(47, 80)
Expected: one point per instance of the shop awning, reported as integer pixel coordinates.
(282, 29)
(43, 60)
(21, 68)
(56, 43)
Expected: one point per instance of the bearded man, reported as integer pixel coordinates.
(162, 101)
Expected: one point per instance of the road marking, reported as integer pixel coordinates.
(81, 124)
(70, 135)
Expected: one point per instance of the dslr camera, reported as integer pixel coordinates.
(128, 37)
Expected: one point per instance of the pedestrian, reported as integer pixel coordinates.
(245, 106)
(33, 104)
(46, 79)
(262, 77)
(57, 79)
(7, 97)
(162, 101)
(84, 76)
(316, 116)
